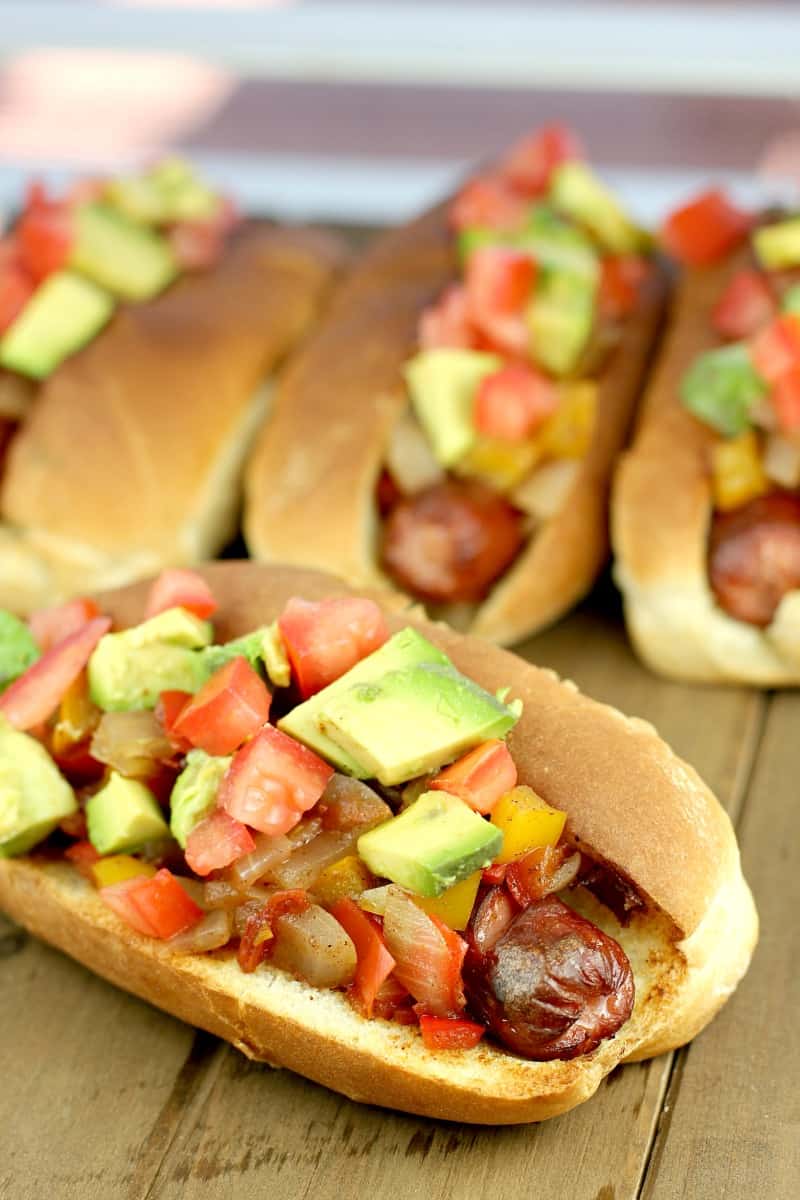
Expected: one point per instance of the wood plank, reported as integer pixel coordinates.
(732, 1125)
(262, 1130)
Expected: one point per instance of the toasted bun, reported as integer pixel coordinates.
(661, 512)
(631, 804)
(131, 455)
(310, 485)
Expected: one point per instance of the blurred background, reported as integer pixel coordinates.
(363, 112)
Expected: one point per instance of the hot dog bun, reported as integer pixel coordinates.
(631, 803)
(660, 517)
(131, 455)
(310, 484)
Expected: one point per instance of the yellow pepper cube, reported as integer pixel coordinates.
(526, 822)
(453, 907)
(500, 464)
(117, 868)
(342, 880)
(737, 473)
(77, 716)
(568, 432)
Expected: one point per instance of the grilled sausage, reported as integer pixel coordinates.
(754, 556)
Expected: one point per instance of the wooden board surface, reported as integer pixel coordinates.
(103, 1096)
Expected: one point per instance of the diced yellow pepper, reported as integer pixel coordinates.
(568, 432)
(276, 659)
(737, 472)
(119, 867)
(77, 716)
(500, 464)
(342, 880)
(526, 822)
(454, 906)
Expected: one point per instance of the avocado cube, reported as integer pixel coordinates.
(405, 648)
(63, 314)
(123, 815)
(34, 796)
(560, 319)
(408, 722)
(790, 302)
(443, 384)
(129, 260)
(576, 191)
(722, 388)
(130, 670)
(18, 650)
(557, 245)
(434, 843)
(194, 792)
(778, 246)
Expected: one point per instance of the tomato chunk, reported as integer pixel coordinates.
(229, 708)
(447, 322)
(514, 402)
(36, 695)
(428, 955)
(499, 282)
(531, 162)
(216, 842)
(491, 202)
(325, 639)
(82, 855)
(621, 277)
(178, 588)
(375, 963)
(158, 906)
(45, 235)
(481, 777)
(258, 936)
(450, 1033)
(51, 625)
(16, 288)
(169, 707)
(776, 349)
(272, 781)
(785, 399)
(705, 229)
(746, 304)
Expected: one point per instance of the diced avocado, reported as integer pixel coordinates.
(721, 388)
(778, 246)
(560, 319)
(251, 647)
(63, 314)
(130, 261)
(576, 190)
(443, 384)
(123, 815)
(476, 236)
(557, 245)
(129, 670)
(405, 649)
(435, 842)
(414, 720)
(18, 650)
(34, 796)
(791, 301)
(169, 192)
(195, 792)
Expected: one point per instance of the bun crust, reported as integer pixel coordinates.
(661, 513)
(310, 484)
(631, 803)
(164, 405)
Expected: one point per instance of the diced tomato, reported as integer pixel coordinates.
(178, 588)
(45, 234)
(82, 855)
(745, 306)
(621, 277)
(481, 777)
(325, 639)
(375, 963)
(16, 288)
(216, 842)
(450, 1033)
(499, 282)
(36, 196)
(785, 399)
(169, 707)
(532, 160)
(776, 349)
(514, 402)
(495, 875)
(76, 762)
(428, 955)
(705, 229)
(51, 625)
(272, 781)
(75, 826)
(229, 708)
(199, 244)
(36, 695)
(489, 201)
(257, 937)
(447, 323)
(158, 906)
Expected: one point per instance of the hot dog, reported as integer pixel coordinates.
(494, 345)
(493, 983)
(705, 515)
(136, 364)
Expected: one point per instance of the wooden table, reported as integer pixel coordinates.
(102, 1096)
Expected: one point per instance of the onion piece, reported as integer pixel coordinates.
(194, 890)
(409, 458)
(314, 946)
(221, 893)
(782, 460)
(544, 493)
(269, 853)
(374, 900)
(210, 933)
(306, 864)
(349, 804)
(133, 743)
